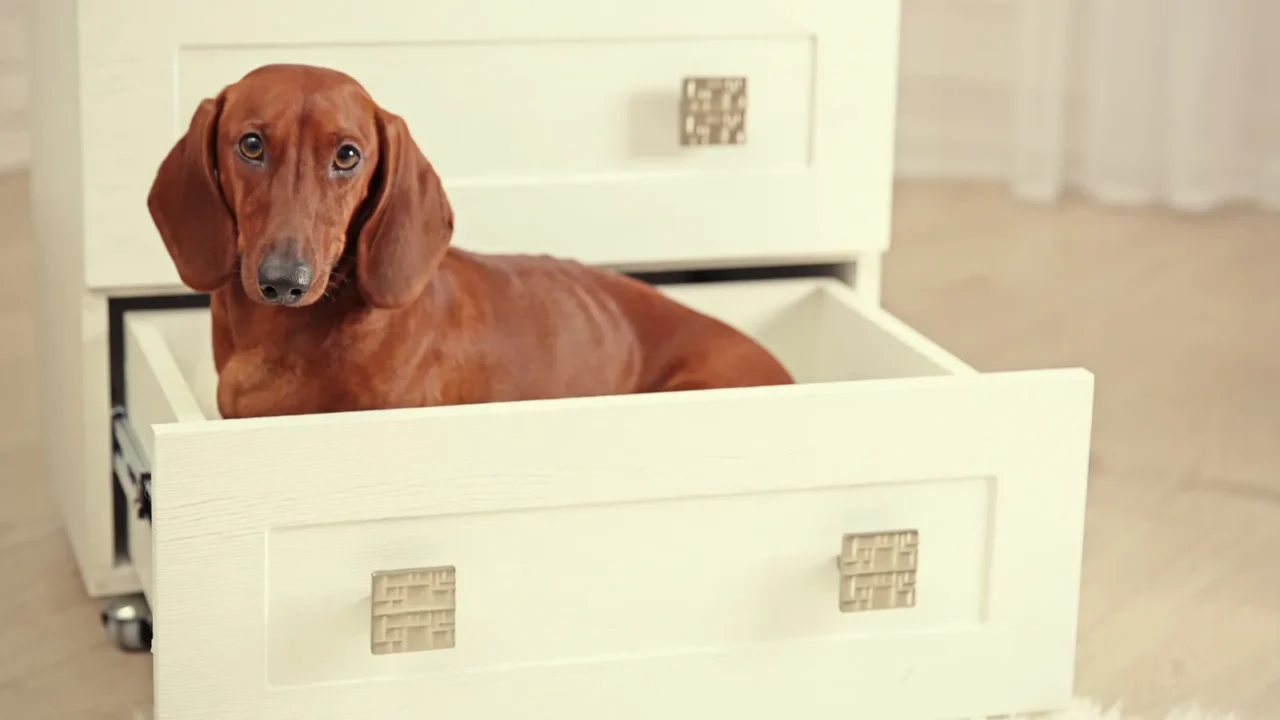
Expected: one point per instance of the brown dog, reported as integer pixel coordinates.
(323, 235)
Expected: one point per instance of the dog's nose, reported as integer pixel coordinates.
(283, 281)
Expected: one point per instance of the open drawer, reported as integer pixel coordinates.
(897, 535)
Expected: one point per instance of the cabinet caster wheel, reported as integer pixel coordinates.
(127, 621)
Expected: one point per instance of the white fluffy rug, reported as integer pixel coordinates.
(1089, 710)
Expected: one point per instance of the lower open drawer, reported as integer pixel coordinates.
(897, 536)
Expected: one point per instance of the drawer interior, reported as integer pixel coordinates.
(821, 330)
(817, 327)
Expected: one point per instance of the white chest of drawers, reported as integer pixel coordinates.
(898, 536)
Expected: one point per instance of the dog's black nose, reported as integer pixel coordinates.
(283, 281)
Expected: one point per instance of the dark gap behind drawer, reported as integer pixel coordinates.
(116, 309)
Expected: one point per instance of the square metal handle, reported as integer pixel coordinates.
(413, 610)
(713, 111)
(878, 570)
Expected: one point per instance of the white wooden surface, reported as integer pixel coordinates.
(607, 547)
(553, 124)
(156, 388)
(631, 557)
(72, 324)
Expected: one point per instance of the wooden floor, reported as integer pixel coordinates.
(1179, 317)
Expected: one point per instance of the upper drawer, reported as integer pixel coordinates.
(555, 125)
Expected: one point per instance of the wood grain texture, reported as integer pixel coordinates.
(1181, 594)
(266, 531)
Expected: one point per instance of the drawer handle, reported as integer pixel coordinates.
(878, 570)
(413, 610)
(713, 111)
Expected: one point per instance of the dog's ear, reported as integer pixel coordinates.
(408, 222)
(187, 206)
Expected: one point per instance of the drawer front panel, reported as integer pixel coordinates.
(556, 126)
(558, 120)
(671, 556)
(605, 584)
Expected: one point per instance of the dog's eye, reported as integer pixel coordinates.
(347, 158)
(251, 146)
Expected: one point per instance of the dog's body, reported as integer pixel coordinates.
(486, 329)
(323, 235)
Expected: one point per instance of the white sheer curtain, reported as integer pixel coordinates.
(1170, 102)
(1152, 102)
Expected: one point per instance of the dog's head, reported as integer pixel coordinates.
(292, 178)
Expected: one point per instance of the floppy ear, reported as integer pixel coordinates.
(409, 225)
(188, 209)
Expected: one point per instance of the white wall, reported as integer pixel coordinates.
(955, 88)
(954, 98)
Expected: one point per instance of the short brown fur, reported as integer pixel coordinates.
(395, 317)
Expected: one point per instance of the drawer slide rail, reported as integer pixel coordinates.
(129, 462)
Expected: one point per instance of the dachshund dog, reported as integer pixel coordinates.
(323, 235)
